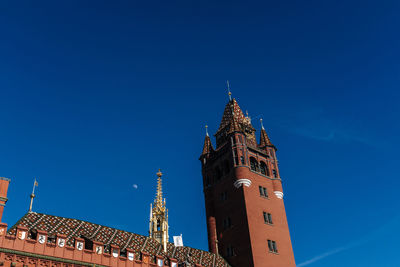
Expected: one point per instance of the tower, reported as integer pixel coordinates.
(158, 228)
(246, 218)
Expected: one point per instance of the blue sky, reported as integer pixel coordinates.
(95, 97)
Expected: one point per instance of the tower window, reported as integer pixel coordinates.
(254, 164)
(235, 156)
(242, 160)
(263, 191)
(272, 246)
(267, 217)
(227, 223)
(224, 196)
(275, 173)
(264, 168)
(230, 251)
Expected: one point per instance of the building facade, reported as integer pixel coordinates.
(51, 241)
(246, 218)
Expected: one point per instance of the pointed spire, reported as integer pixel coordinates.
(207, 147)
(158, 226)
(233, 116)
(158, 202)
(264, 139)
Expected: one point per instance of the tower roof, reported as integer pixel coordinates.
(207, 147)
(233, 117)
(264, 139)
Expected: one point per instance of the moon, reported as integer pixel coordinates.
(135, 186)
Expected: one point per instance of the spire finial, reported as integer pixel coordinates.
(262, 125)
(229, 90)
(207, 130)
(35, 184)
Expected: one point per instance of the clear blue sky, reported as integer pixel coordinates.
(96, 96)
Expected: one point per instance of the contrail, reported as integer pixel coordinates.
(377, 232)
(324, 255)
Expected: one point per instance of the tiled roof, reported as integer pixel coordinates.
(234, 117)
(73, 228)
(207, 148)
(264, 139)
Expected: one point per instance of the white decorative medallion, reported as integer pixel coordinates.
(240, 182)
(278, 194)
(115, 252)
(61, 242)
(131, 256)
(79, 245)
(42, 239)
(174, 264)
(160, 262)
(22, 235)
(99, 250)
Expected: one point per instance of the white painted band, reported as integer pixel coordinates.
(278, 194)
(239, 183)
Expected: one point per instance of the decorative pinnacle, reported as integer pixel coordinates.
(159, 199)
(262, 125)
(207, 130)
(229, 90)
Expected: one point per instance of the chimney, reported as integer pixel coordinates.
(3, 194)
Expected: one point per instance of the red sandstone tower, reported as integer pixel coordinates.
(246, 218)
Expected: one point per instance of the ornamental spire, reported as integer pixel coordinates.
(207, 147)
(159, 216)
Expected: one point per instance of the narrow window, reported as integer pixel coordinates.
(263, 168)
(230, 251)
(242, 160)
(267, 217)
(224, 196)
(272, 246)
(275, 173)
(235, 156)
(263, 191)
(227, 223)
(254, 164)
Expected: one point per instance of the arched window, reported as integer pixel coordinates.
(264, 168)
(254, 164)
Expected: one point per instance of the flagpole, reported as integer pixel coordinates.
(32, 195)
